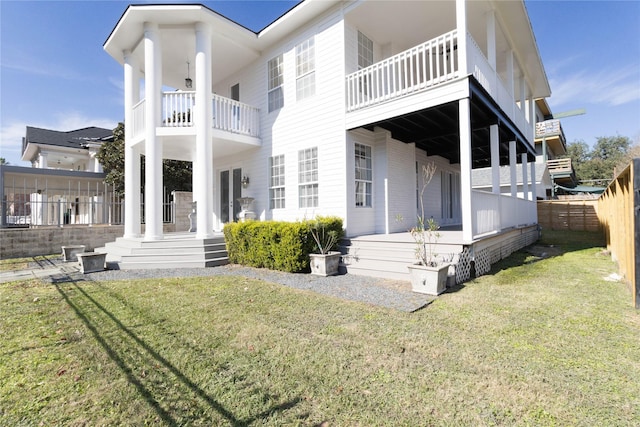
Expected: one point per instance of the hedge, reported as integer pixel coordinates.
(277, 245)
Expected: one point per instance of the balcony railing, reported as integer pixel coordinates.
(559, 166)
(549, 128)
(424, 66)
(178, 110)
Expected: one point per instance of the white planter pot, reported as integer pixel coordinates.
(429, 280)
(325, 265)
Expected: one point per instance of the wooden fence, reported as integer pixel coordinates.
(618, 210)
(575, 215)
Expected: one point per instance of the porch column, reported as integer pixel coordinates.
(461, 26)
(533, 182)
(495, 159)
(152, 144)
(510, 77)
(491, 38)
(203, 169)
(465, 169)
(131, 154)
(513, 162)
(42, 160)
(525, 178)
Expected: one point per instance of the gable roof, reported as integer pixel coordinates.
(78, 139)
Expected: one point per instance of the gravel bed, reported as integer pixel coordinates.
(394, 294)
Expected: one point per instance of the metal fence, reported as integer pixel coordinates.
(22, 206)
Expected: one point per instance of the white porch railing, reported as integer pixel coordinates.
(491, 82)
(178, 111)
(421, 67)
(236, 117)
(495, 212)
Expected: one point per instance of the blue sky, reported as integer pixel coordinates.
(54, 73)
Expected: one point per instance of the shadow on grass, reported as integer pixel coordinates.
(147, 394)
(552, 243)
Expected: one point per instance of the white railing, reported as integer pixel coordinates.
(491, 82)
(236, 117)
(421, 67)
(496, 212)
(138, 119)
(177, 109)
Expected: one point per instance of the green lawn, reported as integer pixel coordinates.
(539, 342)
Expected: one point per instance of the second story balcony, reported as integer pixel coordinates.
(228, 116)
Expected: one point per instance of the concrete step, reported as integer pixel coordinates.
(131, 265)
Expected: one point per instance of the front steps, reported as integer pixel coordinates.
(176, 250)
(388, 255)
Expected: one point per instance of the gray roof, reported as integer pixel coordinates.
(72, 139)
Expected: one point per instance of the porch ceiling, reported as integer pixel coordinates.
(436, 131)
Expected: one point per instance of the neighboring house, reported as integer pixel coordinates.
(333, 109)
(553, 168)
(65, 184)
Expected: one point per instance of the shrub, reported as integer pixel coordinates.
(276, 245)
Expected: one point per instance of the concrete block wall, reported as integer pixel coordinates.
(25, 242)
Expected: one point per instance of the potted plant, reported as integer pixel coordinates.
(326, 261)
(429, 275)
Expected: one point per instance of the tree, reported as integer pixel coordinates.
(111, 157)
(599, 163)
(176, 174)
(3, 161)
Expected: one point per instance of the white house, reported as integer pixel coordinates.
(65, 183)
(332, 110)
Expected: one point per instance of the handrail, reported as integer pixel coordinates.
(429, 64)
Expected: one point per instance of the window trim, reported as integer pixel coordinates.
(305, 69)
(281, 184)
(368, 183)
(308, 182)
(279, 66)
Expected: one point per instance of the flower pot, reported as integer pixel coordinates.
(429, 280)
(325, 265)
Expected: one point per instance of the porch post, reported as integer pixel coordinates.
(203, 169)
(533, 182)
(152, 144)
(510, 77)
(525, 178)
(491, 38)
(495, 159)
(461, 26)
(465, 169)
(513, 162)
(131, 154)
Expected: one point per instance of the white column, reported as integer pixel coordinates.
(461, 26)
(491, 38)
(513, 162)
(203, 169)
(533, 181)
(152, 144)
(42, 160)
(465, 170)
(525, 178)
(131, 154)
(510, 76)
(495, 158)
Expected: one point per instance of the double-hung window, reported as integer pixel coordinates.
(308, 178)
(276, 80)
(365, 51)
(305, 69)
(276, 182)
(364, 175)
